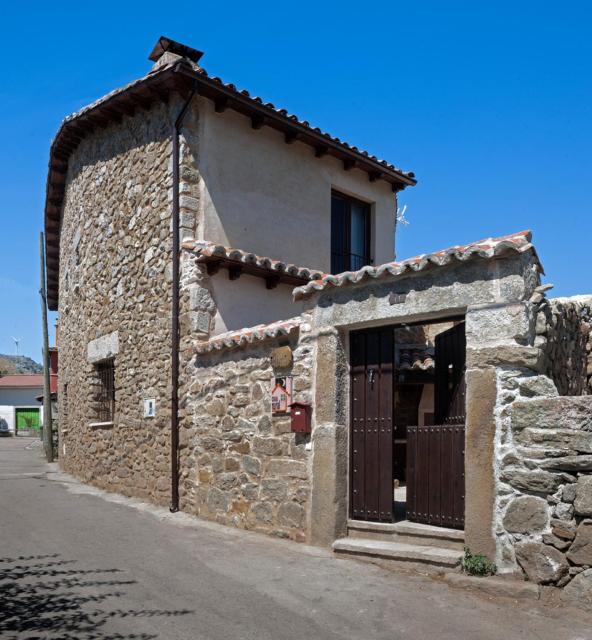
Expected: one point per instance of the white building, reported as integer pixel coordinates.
(19, 406)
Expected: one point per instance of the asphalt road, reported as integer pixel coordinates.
(79, 564)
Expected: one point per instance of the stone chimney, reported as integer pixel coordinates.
(167, 51)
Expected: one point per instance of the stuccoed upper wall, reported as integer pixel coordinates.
(115, 270)
(247, 302)
(263, 195)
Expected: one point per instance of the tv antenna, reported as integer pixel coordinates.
(16, 344)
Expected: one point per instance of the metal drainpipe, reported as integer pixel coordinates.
(175, 311)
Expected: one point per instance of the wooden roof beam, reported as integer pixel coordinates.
(143, 100)
(114, 114)
(57, 177)
(221, 104)
(235, 272)
(271, 282)
(81, 128)
(126, 106)
(213, 266)
(182, 86)
(58, 167)
(158, 94)
(96, 120)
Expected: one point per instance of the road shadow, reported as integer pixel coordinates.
(47, 597)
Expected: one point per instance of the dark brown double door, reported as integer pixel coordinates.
(372, 383)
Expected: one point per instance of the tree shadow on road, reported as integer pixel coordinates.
(47, 597)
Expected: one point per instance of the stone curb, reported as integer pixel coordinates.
(504, 587)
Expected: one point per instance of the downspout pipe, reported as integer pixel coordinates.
(174, 507)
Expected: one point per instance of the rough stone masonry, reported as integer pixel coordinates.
(241, 464)
(544, 454)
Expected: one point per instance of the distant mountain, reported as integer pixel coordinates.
(10, 365)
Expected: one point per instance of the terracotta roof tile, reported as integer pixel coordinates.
(261, 332)
(23, 380)
(488, 248)
(290, 116)
(278, 267)
(416, 359)
(239, 92)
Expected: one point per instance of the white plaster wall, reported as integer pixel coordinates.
(246, 302)
(426, 404)
(10, 399)
(7, 412)
(263, 195)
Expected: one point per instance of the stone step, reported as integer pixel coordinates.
(407, 532)
(411, 555)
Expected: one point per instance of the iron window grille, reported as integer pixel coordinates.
(350, 233)
(106, 391)
(65, 404)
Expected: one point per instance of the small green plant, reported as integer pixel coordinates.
(476, 564)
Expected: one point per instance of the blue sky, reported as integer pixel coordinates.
(489, 103)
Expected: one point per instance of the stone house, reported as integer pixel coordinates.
(441, 400)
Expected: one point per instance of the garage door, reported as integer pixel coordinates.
(27, 422)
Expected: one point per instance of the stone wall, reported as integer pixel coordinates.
(115, 271)
(543, 523)
(241, 465)
(543, 452)
(566, 325)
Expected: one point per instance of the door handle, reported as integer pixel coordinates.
(371, 375)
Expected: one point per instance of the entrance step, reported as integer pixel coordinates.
(406, 532)
(412, 556)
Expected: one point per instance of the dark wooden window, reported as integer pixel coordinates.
(350, 233)
(106, 391)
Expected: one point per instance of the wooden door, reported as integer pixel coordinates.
(371, 425)
(435, 453)
(450, 375)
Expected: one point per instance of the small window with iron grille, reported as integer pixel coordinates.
(105, 398)
(64, 414)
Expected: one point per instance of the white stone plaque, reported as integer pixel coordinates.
(150, 408)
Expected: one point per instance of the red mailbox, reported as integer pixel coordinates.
(300, 414)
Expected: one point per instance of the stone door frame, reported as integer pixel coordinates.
(330, 466)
